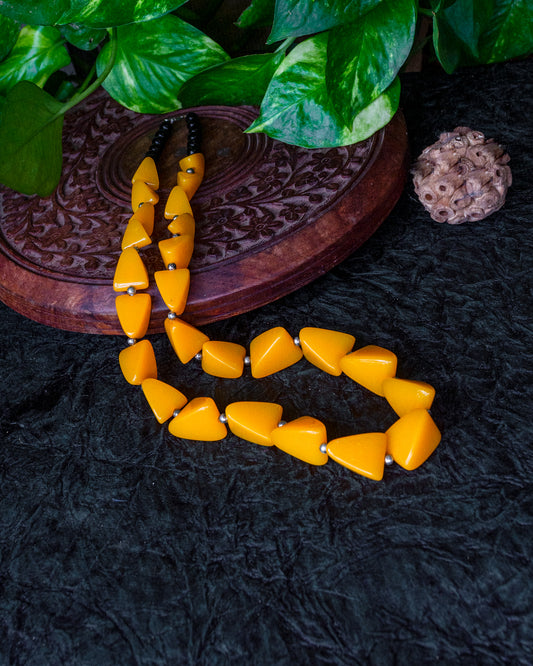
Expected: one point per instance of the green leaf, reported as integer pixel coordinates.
(37, 53)
(239, 81)
(457, 29)
(34, 12)
(509, 33)
(480, 31)
(9, 31)
(83, 38)
(108, 13)
(258, 14)
(90, 13)
(295, 18)
(153, 61)
(31, 123)
(297, 110)
(364, 57)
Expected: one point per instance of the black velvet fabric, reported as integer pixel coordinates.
(122, 545)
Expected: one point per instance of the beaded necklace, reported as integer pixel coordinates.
(409, 441)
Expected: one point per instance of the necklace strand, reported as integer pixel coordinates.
(409, 441)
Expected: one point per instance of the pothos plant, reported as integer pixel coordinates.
(327, 75)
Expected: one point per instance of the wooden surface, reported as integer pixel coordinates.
(270, 217)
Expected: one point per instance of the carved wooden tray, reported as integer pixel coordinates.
(270, 217)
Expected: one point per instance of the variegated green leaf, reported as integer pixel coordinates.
(153, 61)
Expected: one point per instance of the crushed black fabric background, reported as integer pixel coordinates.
(121, 545)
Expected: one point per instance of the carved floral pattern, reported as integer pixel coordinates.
(75, 233)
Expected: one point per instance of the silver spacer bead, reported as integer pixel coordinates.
(223, 418)
(131, 341)
(198, 356)
(389, 459)
(190, 170)
(131, 291)
(176, 412)
(247, 360)
(282, 423)
(297, 341)
(172, 315)
(323, 448)
(171, 267)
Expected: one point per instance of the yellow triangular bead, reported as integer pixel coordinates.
(254, 421)
(162, 398)
(134, 313)
(186, 340)
(302, 438)
(141, 193)
(363, 454)
(137, 362)
(273, 351)
(325, 348)
(370, 366)
(177, 250)
(405, 395)
(183, 225)
(130, 271)
(413, 438)
(199, 419)
(174, 288)
(195, 161)
(147, 173)
(190, 182)
(135, 235)
(145, 214)
(177, 203)
(223, 359)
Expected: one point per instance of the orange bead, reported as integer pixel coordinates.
(273, 351)
(147, 173)
(370, 366)
(130, 271)
(174, 288)
(186, 340)
(141, 193)
(254, 421)
(183, 224)
(162, 398)
(413, 438)
(134, 313)
(137, 362)
(223, 359)
(325, 348)
(177, 250)
(190, 182)
(195, 161)
(363, 454)
(405, 395)
(135, 235)
(303, 439)
(177, 203)
(199, 420)
(145, 214)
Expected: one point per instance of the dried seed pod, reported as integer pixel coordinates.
(462, 177)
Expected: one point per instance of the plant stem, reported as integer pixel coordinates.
(87, 90)
(285, 45)
(87, 80)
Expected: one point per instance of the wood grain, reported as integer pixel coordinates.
(270, 217)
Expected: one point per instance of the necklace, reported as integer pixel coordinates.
(409, 441)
